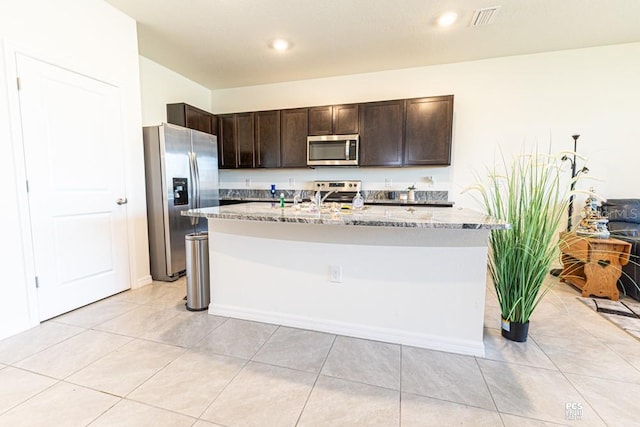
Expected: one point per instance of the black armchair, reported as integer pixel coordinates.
(624, 224)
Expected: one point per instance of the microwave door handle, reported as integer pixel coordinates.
(346, 150)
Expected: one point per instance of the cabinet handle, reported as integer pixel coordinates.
(121, 200)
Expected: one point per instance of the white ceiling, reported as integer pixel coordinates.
(224, 43)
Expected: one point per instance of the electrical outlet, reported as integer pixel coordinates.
(247, 182)
(292, 182)
(388, 182)
(428, 179)
(335, 275)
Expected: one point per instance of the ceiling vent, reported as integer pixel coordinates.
(484, 16)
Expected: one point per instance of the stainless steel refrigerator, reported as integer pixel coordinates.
(181, 168)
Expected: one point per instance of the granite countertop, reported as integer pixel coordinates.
(398, 202)
(377, 216)
(390, 202)
(377, 197)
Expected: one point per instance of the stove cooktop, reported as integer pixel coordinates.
(341, 191)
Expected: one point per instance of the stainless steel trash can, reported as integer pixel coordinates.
(197, 271)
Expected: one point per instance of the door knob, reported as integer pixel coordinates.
(122, 201)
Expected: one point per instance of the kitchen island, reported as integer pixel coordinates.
(413, 276)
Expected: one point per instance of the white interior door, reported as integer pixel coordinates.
(73, 145)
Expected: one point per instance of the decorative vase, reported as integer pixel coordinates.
(515, 331)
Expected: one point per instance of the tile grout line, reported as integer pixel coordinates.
(195, 345)
(106, 410)
(622, 356)
(313, 386)
(246, 363)
(57, 381)
(109, 352)
(47, 347)
(184, 350)
(569, 381)
(400, 388)
(486, 384)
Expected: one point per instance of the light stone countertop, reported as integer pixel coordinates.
(377, 216)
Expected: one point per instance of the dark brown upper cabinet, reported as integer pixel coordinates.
(294, 131)
(404, 132)
(428, 131)
(267, 139)
(235, 141)
(333, 120)
(214, 124)
(321, 120)
(185, 115)
(245, 140)
(227, 141)
(381, 133)
(345, 119)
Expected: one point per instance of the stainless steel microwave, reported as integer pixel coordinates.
(333, 150)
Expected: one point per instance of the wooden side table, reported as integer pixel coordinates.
(593, 264)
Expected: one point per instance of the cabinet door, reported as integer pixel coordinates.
(198, 119)
(345, 119)
(245, 143)
(214, 125)
(428, 130)
(185, 115)
(227, 141)
(294, 128)
(321, 120)
(267, 127)
(381, 125)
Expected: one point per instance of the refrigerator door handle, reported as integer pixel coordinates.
(197, 183)
(194, 194)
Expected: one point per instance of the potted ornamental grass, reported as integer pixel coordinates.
(529, 194)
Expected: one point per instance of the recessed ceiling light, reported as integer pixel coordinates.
(280, 45)
(447, 19)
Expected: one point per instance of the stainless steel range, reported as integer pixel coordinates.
(337, 191)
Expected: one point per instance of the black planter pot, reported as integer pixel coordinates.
(515, 331)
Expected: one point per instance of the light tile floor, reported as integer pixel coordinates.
(139, 358)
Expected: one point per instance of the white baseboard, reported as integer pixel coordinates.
(431, 342)
(146, 280)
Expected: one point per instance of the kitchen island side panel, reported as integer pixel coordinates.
(418, 287)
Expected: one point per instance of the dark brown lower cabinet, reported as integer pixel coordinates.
(428, 131)
(267, 139)
(381, 126)
(294, 130)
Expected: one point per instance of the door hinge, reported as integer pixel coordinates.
(18, 83)
(37, 283)
(27, 186)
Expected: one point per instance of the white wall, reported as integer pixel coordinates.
(499, 103)
(95, 39)
(161, 86)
